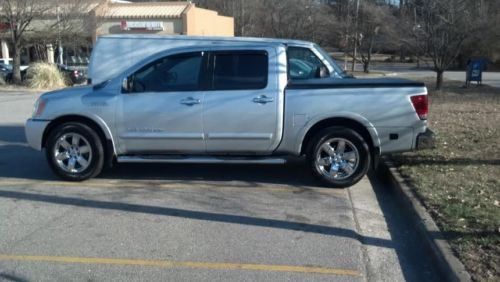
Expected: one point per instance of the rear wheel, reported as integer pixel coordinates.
(75, 152)
(339, 157)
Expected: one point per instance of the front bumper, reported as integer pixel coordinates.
(34, 130)
(426, 140)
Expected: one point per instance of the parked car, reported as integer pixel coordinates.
(73, 75)
(6, 72)
(227, 101)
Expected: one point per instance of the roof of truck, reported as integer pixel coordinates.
(209, 38)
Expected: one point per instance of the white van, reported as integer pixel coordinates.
(114, 53)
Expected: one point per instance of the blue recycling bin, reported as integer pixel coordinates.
(474, 71)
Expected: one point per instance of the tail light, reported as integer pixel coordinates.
(421, 105)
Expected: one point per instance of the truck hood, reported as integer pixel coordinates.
(324, 83)
(68, 92)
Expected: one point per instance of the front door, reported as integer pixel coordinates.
(162, 111)
(241, 106)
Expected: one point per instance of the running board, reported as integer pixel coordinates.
(201, 160)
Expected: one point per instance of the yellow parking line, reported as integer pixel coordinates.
(183, 264)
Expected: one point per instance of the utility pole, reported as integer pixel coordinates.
(355, 37)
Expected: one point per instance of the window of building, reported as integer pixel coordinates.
(240, 70)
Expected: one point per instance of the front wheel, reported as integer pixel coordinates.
(339, 157)
(75, 152)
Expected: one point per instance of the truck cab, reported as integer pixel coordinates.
(204, 100)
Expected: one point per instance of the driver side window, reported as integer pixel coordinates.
(169, 74)
(303, 63)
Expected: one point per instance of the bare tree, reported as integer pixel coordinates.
(374, 25)
(439, 29)
(19, 14)
(485, 41)
(48, 20)
(304, 19)
(297, 19)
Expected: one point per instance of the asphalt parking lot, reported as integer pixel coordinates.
(193, 222)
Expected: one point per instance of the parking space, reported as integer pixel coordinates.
(193, 222)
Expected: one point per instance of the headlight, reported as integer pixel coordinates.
(39, 107)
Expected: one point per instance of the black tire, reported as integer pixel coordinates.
(318, 158)
(96, 161)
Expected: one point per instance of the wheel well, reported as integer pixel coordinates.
(107, 144)
(343, 122)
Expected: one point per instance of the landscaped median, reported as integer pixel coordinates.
(459, 181)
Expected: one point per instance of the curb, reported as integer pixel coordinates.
(441, 253)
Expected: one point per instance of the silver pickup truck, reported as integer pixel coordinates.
(228, 101)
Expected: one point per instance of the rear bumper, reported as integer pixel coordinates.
(34, 130)
(426, 140)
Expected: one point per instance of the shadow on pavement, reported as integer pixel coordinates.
(414, 259)
(12, 134)
(197, 215)
(11, 277)
(18, 160)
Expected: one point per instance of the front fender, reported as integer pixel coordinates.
(91, 117)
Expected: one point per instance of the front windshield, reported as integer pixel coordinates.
(339, 71)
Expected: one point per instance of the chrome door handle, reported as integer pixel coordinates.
(190, 101)
(263, 99)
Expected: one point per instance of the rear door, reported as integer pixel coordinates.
(241, 110)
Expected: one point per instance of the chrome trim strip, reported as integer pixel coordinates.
(198, 160)
(239, 136)
(152, 135)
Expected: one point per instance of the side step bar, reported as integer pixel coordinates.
(201, 159)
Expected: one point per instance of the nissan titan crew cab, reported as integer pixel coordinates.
(181, 99)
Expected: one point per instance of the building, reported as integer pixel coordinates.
(71, 40)
(162, 18)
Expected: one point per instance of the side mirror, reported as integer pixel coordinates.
(125, 88)
(322, 72)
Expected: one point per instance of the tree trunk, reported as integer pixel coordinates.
(366, 66)
(16, 66)
(353, 66)
(439, 79)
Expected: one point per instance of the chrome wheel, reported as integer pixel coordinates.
(72, 153)
(337, 159)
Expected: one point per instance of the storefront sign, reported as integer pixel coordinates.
(149, 26)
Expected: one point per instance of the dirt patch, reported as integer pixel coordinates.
(459, 181)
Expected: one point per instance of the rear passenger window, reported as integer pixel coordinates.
(240, 70)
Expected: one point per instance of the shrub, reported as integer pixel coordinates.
(44, 76)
